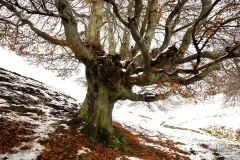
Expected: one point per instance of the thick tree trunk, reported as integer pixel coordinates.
(97, 112)
(97, 108)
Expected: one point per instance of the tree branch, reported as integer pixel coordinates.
(201, 17)
(71, 30)
(187, 38)
(116, 12)
(146, 97)
(111, 42)
(152, 22)
(170, 24)
(36, 11)
(95, 23)
(138, 11)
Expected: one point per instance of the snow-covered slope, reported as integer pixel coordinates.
(27, 101)
(207, 130)
(11, 61)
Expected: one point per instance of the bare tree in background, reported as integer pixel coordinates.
(123, 43)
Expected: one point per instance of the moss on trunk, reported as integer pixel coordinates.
(96, 110)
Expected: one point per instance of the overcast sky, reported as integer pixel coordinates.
(11, 61)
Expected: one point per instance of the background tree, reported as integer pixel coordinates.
(165, 45)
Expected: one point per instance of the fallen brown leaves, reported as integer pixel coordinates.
(65, 145)
(143, 151)
(4, 110)
(13, 133)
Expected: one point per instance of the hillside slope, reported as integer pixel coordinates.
(29, 110)
(207, 130)
(33, 126)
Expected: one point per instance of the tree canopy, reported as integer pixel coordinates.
(66, 32)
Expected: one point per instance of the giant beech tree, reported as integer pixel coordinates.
(122, 44)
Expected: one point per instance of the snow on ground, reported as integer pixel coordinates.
(83, 151)
(26, 100)
(11, 61)
(211, 113)
(186, 125)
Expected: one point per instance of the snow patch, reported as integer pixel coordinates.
(83, 151)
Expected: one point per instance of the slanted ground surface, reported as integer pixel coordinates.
(29, 111)
(208, 130)
(33, 126)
